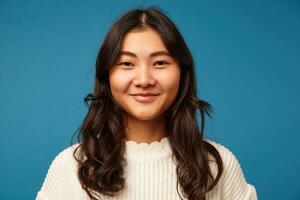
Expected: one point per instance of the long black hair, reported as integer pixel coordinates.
(102, 139)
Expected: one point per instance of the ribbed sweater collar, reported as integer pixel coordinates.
(144, 152)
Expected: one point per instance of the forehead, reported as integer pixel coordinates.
(141, 40)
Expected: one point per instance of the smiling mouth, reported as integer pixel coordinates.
(145, 98)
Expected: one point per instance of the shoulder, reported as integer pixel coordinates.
(232, 181)
(63, 162)
(66, 153)
(64, 157)
(229, 160)
(61, 178)
(226, 154)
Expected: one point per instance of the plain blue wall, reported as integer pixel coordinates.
(247, 55)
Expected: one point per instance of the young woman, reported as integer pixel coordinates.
(140, 138)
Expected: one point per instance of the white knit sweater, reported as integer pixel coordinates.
(150, 175)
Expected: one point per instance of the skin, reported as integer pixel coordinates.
(137, 72)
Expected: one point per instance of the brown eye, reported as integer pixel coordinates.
(161, 62)
(127, 64)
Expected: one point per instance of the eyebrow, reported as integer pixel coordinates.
(153, 54)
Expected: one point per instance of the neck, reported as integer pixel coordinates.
(146, 131)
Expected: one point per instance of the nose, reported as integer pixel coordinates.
(144, 77)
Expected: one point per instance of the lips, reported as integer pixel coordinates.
(145, 97)
(145, 94)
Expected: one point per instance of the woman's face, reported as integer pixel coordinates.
(145, 79)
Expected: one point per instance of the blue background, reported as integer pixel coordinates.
(247, 55)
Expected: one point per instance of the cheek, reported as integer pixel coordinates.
(170, 81)
(118, 82)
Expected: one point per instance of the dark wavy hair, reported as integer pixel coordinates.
(101, 136)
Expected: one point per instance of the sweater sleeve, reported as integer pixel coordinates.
(234, 185)
(60, 180)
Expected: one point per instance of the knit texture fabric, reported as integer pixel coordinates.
(150, 175)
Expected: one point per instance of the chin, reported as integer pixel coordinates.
(145, 116)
